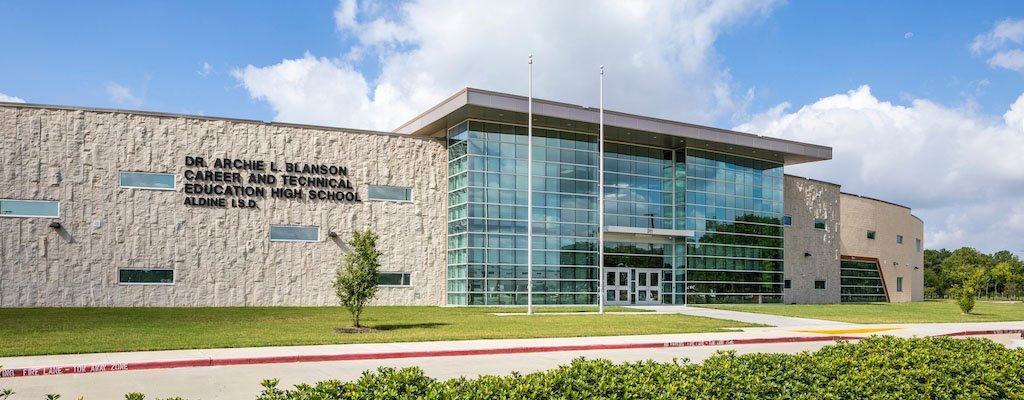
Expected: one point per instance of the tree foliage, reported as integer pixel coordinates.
(952, 272)
(355, 281)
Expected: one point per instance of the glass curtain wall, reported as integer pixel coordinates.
(487, 216)
(734, 205)
(860, 282)
(640, 191)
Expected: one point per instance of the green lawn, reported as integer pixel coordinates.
(881, 313)
(31, 331)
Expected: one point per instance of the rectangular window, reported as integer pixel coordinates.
(871, 235)
(29, 208)
(292, 233)
(138, 276)
(392, 193)
(899, 284)
(787, 220)
(788, 283)
(917, 245)
(819, 284)
(899, 239)
(819, 223)
(146, 180)
(394, 279)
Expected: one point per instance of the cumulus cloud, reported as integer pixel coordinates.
(908, 35)
(659, 56)
(122, 96)
(1005, 33)
(956, 169)
(10, 99)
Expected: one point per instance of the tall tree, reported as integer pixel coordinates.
(355, 281)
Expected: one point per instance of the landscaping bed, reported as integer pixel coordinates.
(877, 367)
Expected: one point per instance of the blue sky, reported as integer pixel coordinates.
(916, 98)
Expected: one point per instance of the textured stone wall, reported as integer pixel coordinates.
(805, 200)
(860, 214)
(221, 256)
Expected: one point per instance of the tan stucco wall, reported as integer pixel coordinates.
(860, 214)
(805, 200)
(222, 256)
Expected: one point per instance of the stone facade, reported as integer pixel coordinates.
(811, 254)
(221, 256)
(899, 261)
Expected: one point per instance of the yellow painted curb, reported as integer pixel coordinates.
(849, 330)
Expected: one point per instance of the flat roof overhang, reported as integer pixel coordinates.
(472, 103)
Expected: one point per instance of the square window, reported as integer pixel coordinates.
(787, 220)
(819, 223)
(899, 239)
(819, 284)
(871, 235)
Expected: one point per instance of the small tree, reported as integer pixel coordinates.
(355, 282)
(964, 297)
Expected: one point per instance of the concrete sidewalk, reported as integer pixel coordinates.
(750, 318)
(241, 381)
(810, 330)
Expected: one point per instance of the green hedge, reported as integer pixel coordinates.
(877, 367)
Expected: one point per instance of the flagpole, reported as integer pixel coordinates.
(600, 201)
(529, 194)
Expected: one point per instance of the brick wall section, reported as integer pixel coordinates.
(860, 214)
(222, 257)
(806, 200)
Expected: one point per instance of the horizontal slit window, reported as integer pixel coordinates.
(392, 193)
(138, 276)
(146, 180)
(29, 208)
(394, 279)
(294, 233)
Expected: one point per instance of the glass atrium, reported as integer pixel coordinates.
(729, 206)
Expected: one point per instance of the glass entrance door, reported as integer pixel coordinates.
(648, 291)
(632, 286)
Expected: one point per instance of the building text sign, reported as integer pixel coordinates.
(240, 183)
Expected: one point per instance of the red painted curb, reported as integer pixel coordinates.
(207, 362)
(979, 333)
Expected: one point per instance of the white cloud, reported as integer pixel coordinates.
(908, 35)
(659, 57)
(1010, 59)
(122, 96)
(205, 69)
(958, 170)
(1006, 31)
(10, 99)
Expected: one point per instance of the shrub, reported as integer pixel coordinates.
(876, 367)
(965, 298)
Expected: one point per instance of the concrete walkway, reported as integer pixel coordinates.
(241, 380)
(750, 318)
